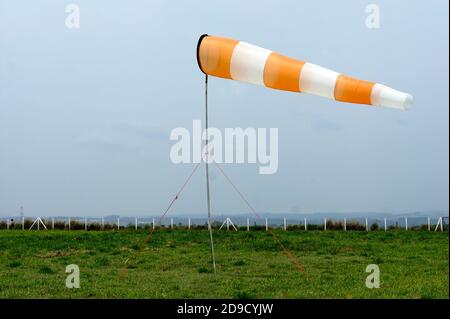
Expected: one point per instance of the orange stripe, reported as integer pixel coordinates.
(351, 90)
(215, 55)
(282, 73)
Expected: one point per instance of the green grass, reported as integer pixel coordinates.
(176, 264)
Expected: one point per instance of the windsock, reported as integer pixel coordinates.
(238, 60)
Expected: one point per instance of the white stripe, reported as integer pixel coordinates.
(386, 97)
(317, 80)
(247, 63)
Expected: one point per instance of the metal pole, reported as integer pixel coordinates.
(437, 225)
(189, 223)
(385, 225)
(267, 225)
(23, 223)
(306, 227)
(285, 224)
(406, 223)
(135, 223)
(325, 224)
(248, 224)
(345, 224)
(53, 223)
(208, 198)
(440, 223)
(429, 225)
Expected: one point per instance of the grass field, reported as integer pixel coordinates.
(176, 264)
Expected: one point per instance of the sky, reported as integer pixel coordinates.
(86, 114)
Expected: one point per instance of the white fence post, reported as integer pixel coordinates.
(306, 227)
(284, 224)
(248, 224)
(325, 224)
(189, 223)
(23, 223)
(385, 225)
(69, 223)
(367, 225)
(345, 224)
(118, 223)
(429, 224)
(135, 223)
(153, 222)
(406, 223)
(267, 225)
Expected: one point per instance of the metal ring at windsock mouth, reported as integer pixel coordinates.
(198, 49)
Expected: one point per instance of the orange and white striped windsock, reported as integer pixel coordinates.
(238, 60)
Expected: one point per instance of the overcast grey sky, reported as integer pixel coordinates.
(85, 114)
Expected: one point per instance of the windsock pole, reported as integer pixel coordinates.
(208, 199)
